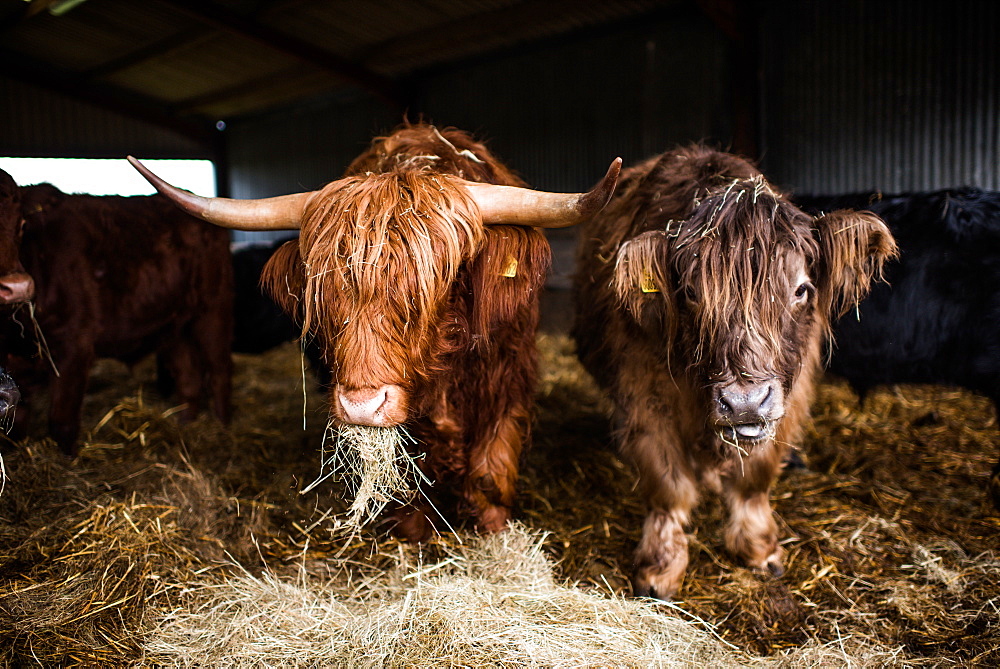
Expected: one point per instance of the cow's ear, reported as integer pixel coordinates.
(854, 246)
(284, 278)
(506, 275)
(642, 277)
(38, 201)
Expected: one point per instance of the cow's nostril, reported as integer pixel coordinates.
(767, 401)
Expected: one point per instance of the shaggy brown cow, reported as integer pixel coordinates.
(116, 277)
(424, 306)
(703, 297)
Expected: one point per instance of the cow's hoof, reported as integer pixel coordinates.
(412, 524)
(493, 520)
(648, 583)
(771, 565)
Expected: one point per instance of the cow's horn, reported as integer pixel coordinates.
(523, 206)
(273, 213)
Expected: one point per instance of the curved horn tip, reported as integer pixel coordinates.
(599, 196)
(154, 180)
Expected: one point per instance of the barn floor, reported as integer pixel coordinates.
(893, 552)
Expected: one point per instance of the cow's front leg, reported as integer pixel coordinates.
(752, 533)
(491, 478)
(670, 489)
(67, 399)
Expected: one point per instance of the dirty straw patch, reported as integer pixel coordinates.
(169, 544)
(493, 601)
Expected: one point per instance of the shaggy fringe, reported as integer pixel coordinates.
(721, 256)
(419, 227)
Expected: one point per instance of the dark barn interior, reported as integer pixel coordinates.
(892, 541)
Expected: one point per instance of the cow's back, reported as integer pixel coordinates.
(936, 318)
(124, 271)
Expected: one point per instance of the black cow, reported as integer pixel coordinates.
(258, 323)
(937, 319)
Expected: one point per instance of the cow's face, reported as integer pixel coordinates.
(742, 290)
(16, 286)
(378, 257)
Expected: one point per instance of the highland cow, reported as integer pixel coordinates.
(112, 277)
(418, 276)
(703, 300)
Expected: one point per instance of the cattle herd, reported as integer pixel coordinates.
(707, 304)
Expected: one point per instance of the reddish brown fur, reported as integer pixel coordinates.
(746, 285)
(120, 278)
(400, 282)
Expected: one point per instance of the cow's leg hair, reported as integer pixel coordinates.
(181, 358)
(213, 330)
(67, 397)
(671, 493)
(491, 480)
(752, 533)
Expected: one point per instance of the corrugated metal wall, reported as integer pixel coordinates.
(558, 114)
(38, 123)
(298, 150)
(890, 95)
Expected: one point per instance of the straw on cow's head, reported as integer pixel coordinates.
(738, 289)
(405, 262)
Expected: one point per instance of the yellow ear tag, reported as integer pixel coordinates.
(510, 267)
(646, 282)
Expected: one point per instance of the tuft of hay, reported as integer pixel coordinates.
(374, 463)
(493, 601)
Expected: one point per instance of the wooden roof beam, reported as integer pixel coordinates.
(17, 66)
(224, 19)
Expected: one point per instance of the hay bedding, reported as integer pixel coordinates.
(191, 545)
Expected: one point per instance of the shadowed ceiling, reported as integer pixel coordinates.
(185, 64)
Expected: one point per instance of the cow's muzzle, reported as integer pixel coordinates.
(747, 412)
(384, 406)
(16, 287)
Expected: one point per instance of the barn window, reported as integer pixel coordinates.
(110, 176)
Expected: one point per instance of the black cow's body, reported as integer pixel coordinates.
(258, 323)
(937, 319)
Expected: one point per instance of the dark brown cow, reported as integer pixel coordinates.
(703, 297)
(424, 305)
(115, 277)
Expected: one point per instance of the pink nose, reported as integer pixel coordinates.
(16, 287)
(369, 406)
